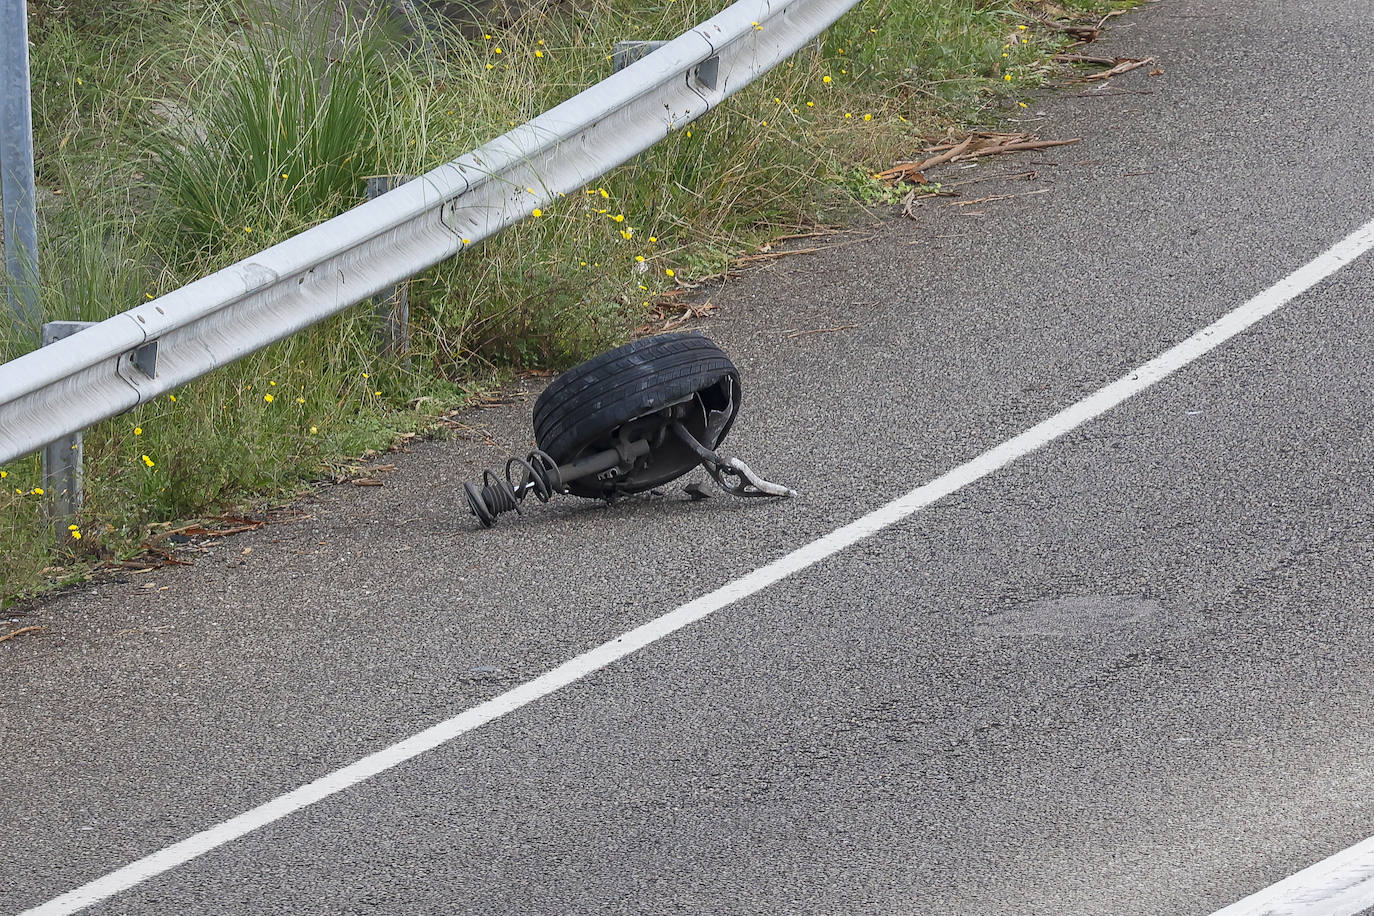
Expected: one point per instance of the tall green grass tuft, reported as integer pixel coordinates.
(288, 138)
(176, 138)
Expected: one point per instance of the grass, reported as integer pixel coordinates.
(176, 138)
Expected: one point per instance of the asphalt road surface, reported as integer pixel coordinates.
(1128, 673)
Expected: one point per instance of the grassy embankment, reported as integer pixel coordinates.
(174, 138)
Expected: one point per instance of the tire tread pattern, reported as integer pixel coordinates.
(591, 399)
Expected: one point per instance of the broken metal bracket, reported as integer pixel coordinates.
(730, 474)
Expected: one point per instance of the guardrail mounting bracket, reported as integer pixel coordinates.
(707, 73)
(144, 359)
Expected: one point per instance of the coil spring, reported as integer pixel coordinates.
(536, 474)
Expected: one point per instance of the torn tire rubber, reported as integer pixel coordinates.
(615, 396)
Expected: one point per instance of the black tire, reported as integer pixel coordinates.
(579, 413)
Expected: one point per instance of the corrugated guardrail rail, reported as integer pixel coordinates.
(137, 355)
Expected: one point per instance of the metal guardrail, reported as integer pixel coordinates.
(135, 356)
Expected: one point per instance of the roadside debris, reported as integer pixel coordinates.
(216, 527)
(628, 421)
(151, 558)
(1115, 65)
(696, 491)
(666, 317)
(995, 197)
(20, 632)
(971, 147)
(1055, 17)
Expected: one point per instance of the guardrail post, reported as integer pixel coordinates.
(393, 305)
(17, 192)
(62, 486)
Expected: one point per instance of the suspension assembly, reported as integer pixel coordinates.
(625, 422)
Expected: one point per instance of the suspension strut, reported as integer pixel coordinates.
(540, 475)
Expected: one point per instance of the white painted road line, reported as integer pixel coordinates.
(1204, 341)
(1341, 885)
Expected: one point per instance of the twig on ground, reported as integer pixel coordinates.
(1015, 176)
(1018, 147)
(20, 632)
(985, 200)
(771, 255)
(905, 171)
(971, 147)
(1106, 95)
(1123, 65)
(1087, 59)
